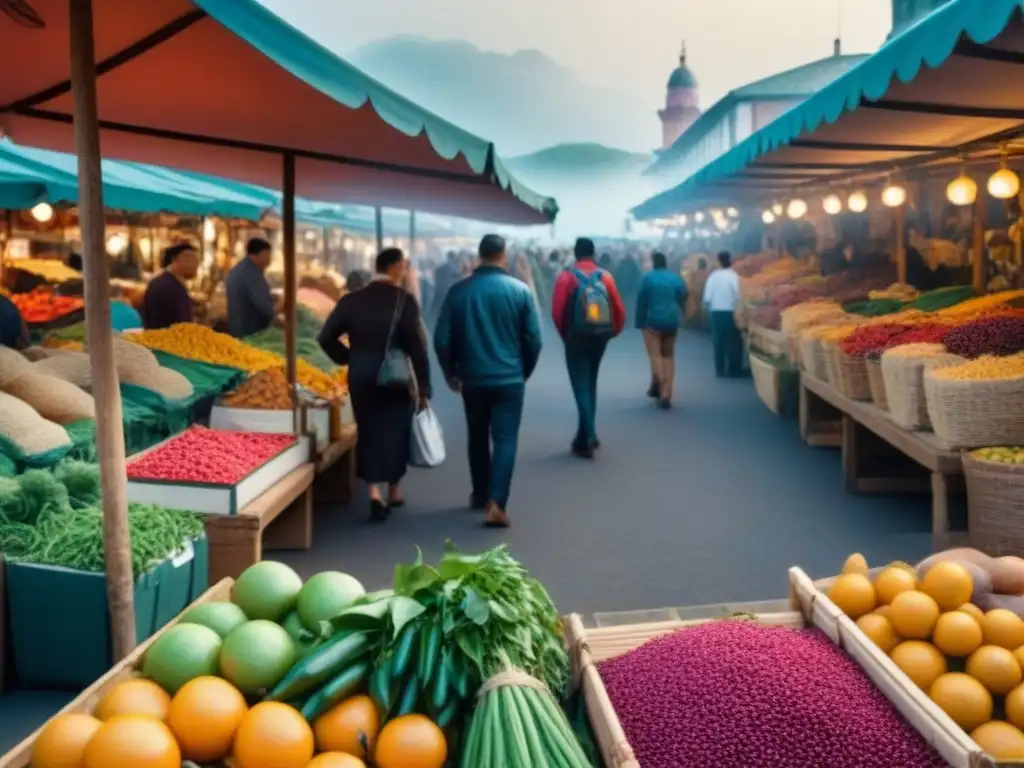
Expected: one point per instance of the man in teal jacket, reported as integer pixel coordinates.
(660, 305)
(488, 341)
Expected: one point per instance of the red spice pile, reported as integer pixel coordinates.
(211, 456)
(737, 694)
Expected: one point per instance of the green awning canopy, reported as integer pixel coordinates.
(948, 84)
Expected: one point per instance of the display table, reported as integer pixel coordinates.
(881, 457)
(281, 518)
(336, 469)
(821, 424)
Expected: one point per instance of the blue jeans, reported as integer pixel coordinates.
(493, 415)
(583, 359)
(727, 343)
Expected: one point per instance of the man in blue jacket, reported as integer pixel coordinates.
(661, 303)
(487, 341)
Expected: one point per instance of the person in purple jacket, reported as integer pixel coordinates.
(166, 300)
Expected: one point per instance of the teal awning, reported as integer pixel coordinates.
(947, 84)
(229, 88)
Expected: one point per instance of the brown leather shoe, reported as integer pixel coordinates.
(495, 516)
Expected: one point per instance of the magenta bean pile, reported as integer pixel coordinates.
(988, 336)
(737, 694)
(208, 456)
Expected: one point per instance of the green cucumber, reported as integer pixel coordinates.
(438, 696)
(325, 662)
(406, 704)
(462, 676)
(381, 689)
(448, 715)
(404, 649)
(430, 646)
(345, 685)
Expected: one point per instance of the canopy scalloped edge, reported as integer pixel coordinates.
(929, 42)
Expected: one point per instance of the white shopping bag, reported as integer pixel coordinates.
(426, 448)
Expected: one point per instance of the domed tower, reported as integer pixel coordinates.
(681, 98)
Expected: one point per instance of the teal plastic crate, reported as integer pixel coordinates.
(60, 622)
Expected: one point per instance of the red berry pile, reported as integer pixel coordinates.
(869, 338)
(988, 336)
(737, 694)
(213, 456)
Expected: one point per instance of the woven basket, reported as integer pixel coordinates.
(904, 386)
(767, 341)
(812, 356)
(995, 506)
(973, 414)
(849, 375)
(876, 383)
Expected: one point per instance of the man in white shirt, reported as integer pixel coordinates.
(721, 294)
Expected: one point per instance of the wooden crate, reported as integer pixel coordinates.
(86, 701)
(776, 387)
(767, 341)
(810, 607)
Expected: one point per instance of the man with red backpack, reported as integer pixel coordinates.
(588, 312)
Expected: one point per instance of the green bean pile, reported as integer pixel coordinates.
(74, 539)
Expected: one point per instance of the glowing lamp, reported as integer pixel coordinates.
(832, 205)
(857, 202)
(42, 212)
(768, 217)
(894, 195)
(699, 217)
(1004, 184)
(796, 209)
(963, 190)
(733, 213)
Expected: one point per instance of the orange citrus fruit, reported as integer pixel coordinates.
(949, 583)
(1000, 740)
(1014, 706)
(879, 631)
(913, 614)
(134, 697)
(273, 735)
(62, 742)
(922, 662)
(963, 698)
(853, 594)
(342, 728)
(204, 715)
(973, 610)
(412, 741)
(133, 740)
(957, 634)
(892, 581)
(336, 760)
(1003, 628)
(995, 668)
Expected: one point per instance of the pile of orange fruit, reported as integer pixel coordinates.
(968, 661)
(139, 725)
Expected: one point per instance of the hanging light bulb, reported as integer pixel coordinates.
(733, 213)
(832, 205)
(699, 217)
(796, 209)
(777, 209)
(209, 231)
(857, 202)
(1004, 183)
(682, 220)
(768, 217)
(42, 212)
(963, 190)
(894, 195)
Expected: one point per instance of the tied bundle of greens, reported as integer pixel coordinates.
(518, 722)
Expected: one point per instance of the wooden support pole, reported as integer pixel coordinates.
(378, 225)
(900, 215)
(105, 387)
(978, 265)
(290, 283)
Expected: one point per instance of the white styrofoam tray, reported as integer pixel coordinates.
(213, 499)
(279, 422)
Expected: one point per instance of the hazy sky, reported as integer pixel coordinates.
(626, 44)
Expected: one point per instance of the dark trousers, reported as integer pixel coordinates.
(583, 359)
(493, 415)
(728, 344)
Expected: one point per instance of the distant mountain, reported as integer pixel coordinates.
(522, 102)
(573, 161)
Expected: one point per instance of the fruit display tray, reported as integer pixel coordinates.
(318, 421)
(215, 499)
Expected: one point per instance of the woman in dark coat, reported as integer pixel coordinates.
(384, 416)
